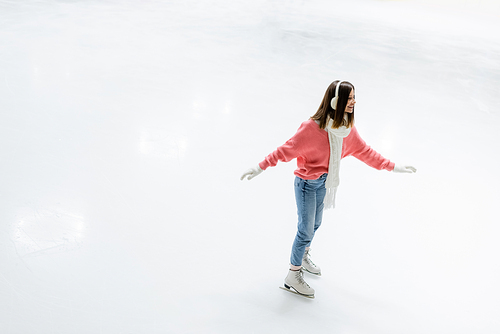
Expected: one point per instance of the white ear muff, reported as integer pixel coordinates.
(334, 101)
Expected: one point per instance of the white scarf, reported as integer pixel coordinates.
(335, 136)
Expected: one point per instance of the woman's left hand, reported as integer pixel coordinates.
(404, 169)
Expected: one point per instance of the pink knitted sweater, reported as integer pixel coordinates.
(311, 147)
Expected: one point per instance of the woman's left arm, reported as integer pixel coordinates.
(354, 145)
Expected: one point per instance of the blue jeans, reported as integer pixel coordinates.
(309, 195)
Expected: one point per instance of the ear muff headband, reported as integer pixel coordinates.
(334, 101)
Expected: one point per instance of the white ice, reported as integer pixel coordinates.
(125, 126)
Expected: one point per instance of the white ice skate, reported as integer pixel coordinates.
(294, 282)
(309, 266)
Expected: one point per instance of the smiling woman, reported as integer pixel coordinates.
(319, 145)
(338, 105)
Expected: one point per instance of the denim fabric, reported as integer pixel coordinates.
(309, 195)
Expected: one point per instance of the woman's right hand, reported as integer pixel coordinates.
(251, 173)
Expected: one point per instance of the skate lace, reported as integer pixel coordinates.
(300, 279)
(308, 260)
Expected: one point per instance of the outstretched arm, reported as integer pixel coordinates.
(357, 147)
(286, 152)
(283, 153)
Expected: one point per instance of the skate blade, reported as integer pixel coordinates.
(295, 292)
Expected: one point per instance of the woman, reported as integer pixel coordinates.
(319, 145)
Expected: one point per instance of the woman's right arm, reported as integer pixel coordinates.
(285, 153)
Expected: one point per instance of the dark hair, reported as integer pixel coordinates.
(325, 110)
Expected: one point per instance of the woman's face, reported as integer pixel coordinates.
(351, 101)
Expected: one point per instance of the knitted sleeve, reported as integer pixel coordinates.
(286, 152)
(357, 147)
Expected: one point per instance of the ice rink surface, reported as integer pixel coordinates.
(125, 126)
